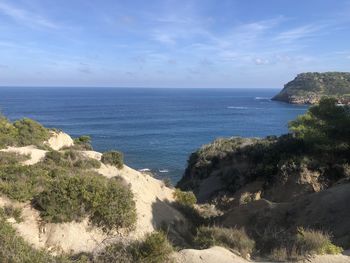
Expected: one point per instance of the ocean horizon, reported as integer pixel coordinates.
(155, 128)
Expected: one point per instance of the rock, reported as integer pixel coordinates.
(309, 88)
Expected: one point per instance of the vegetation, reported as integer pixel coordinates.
(14, 212)
(231, 238)
(109, 204)
(15, 250)
(155, 248)
(325, 125)
(185, 198)
(22, 132)
(308, 87)
(22, 183)
(318, 142)
(82, 143)
(70, 158)
(113, 158)
(11, 158)
(305, 243)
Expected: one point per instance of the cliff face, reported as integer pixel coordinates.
(308, 88)
(280, 184)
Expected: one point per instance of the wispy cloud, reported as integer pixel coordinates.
(298, 33)
(26, 17)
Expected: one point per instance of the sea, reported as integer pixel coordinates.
(156, 128)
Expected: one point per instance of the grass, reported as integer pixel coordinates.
(11, 158)
(315, 242)
(13, 212)
(114, 158)
(155, 248)
(307, 242)
(231, 238)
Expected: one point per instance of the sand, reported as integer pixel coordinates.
(210, 255)
(35, 154)
(152, 200)
(59, 140)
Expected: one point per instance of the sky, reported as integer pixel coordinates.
(171, 43)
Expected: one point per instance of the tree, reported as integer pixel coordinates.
(326, 124)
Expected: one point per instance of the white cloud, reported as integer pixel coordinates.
(25, 17)
(299, 33)
(261, 61)
(164, 38)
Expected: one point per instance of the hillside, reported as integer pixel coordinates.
(63, 202)
(278, 187)
(308, 88)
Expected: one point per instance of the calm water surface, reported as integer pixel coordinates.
(155, 128)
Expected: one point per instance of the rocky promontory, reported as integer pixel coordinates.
(309, 88)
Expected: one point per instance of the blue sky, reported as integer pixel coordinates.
(168, 43)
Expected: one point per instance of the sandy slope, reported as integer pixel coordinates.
(151, 196)
(35, 154)
(211, 255)
(152, 204)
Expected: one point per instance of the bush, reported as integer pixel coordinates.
(315, 242)
(185, 198)
(155, 248)
(82, 143)
(113, 158)
(11, 158)
(107, 202)
(70, 158)
(30, 132)
(8, 132)
(232, 238)
(293, 247)
(22, 183)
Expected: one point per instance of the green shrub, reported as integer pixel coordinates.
(22, 183)
(185, 198)
(11, 158)
(315, 242)
(82, 143)
(70, 158)
(155, 248)
(14, 212)
(107, 202)
(8, 132)
(30, 132)
(286, 246)
(113, 158)
(232, 238)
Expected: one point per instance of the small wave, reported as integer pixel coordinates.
(262, 98)
(163, 171)
(145, 170)
(237, 108)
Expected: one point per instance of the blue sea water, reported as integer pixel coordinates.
(154, 128)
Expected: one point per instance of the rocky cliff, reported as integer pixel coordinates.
(309, 88)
